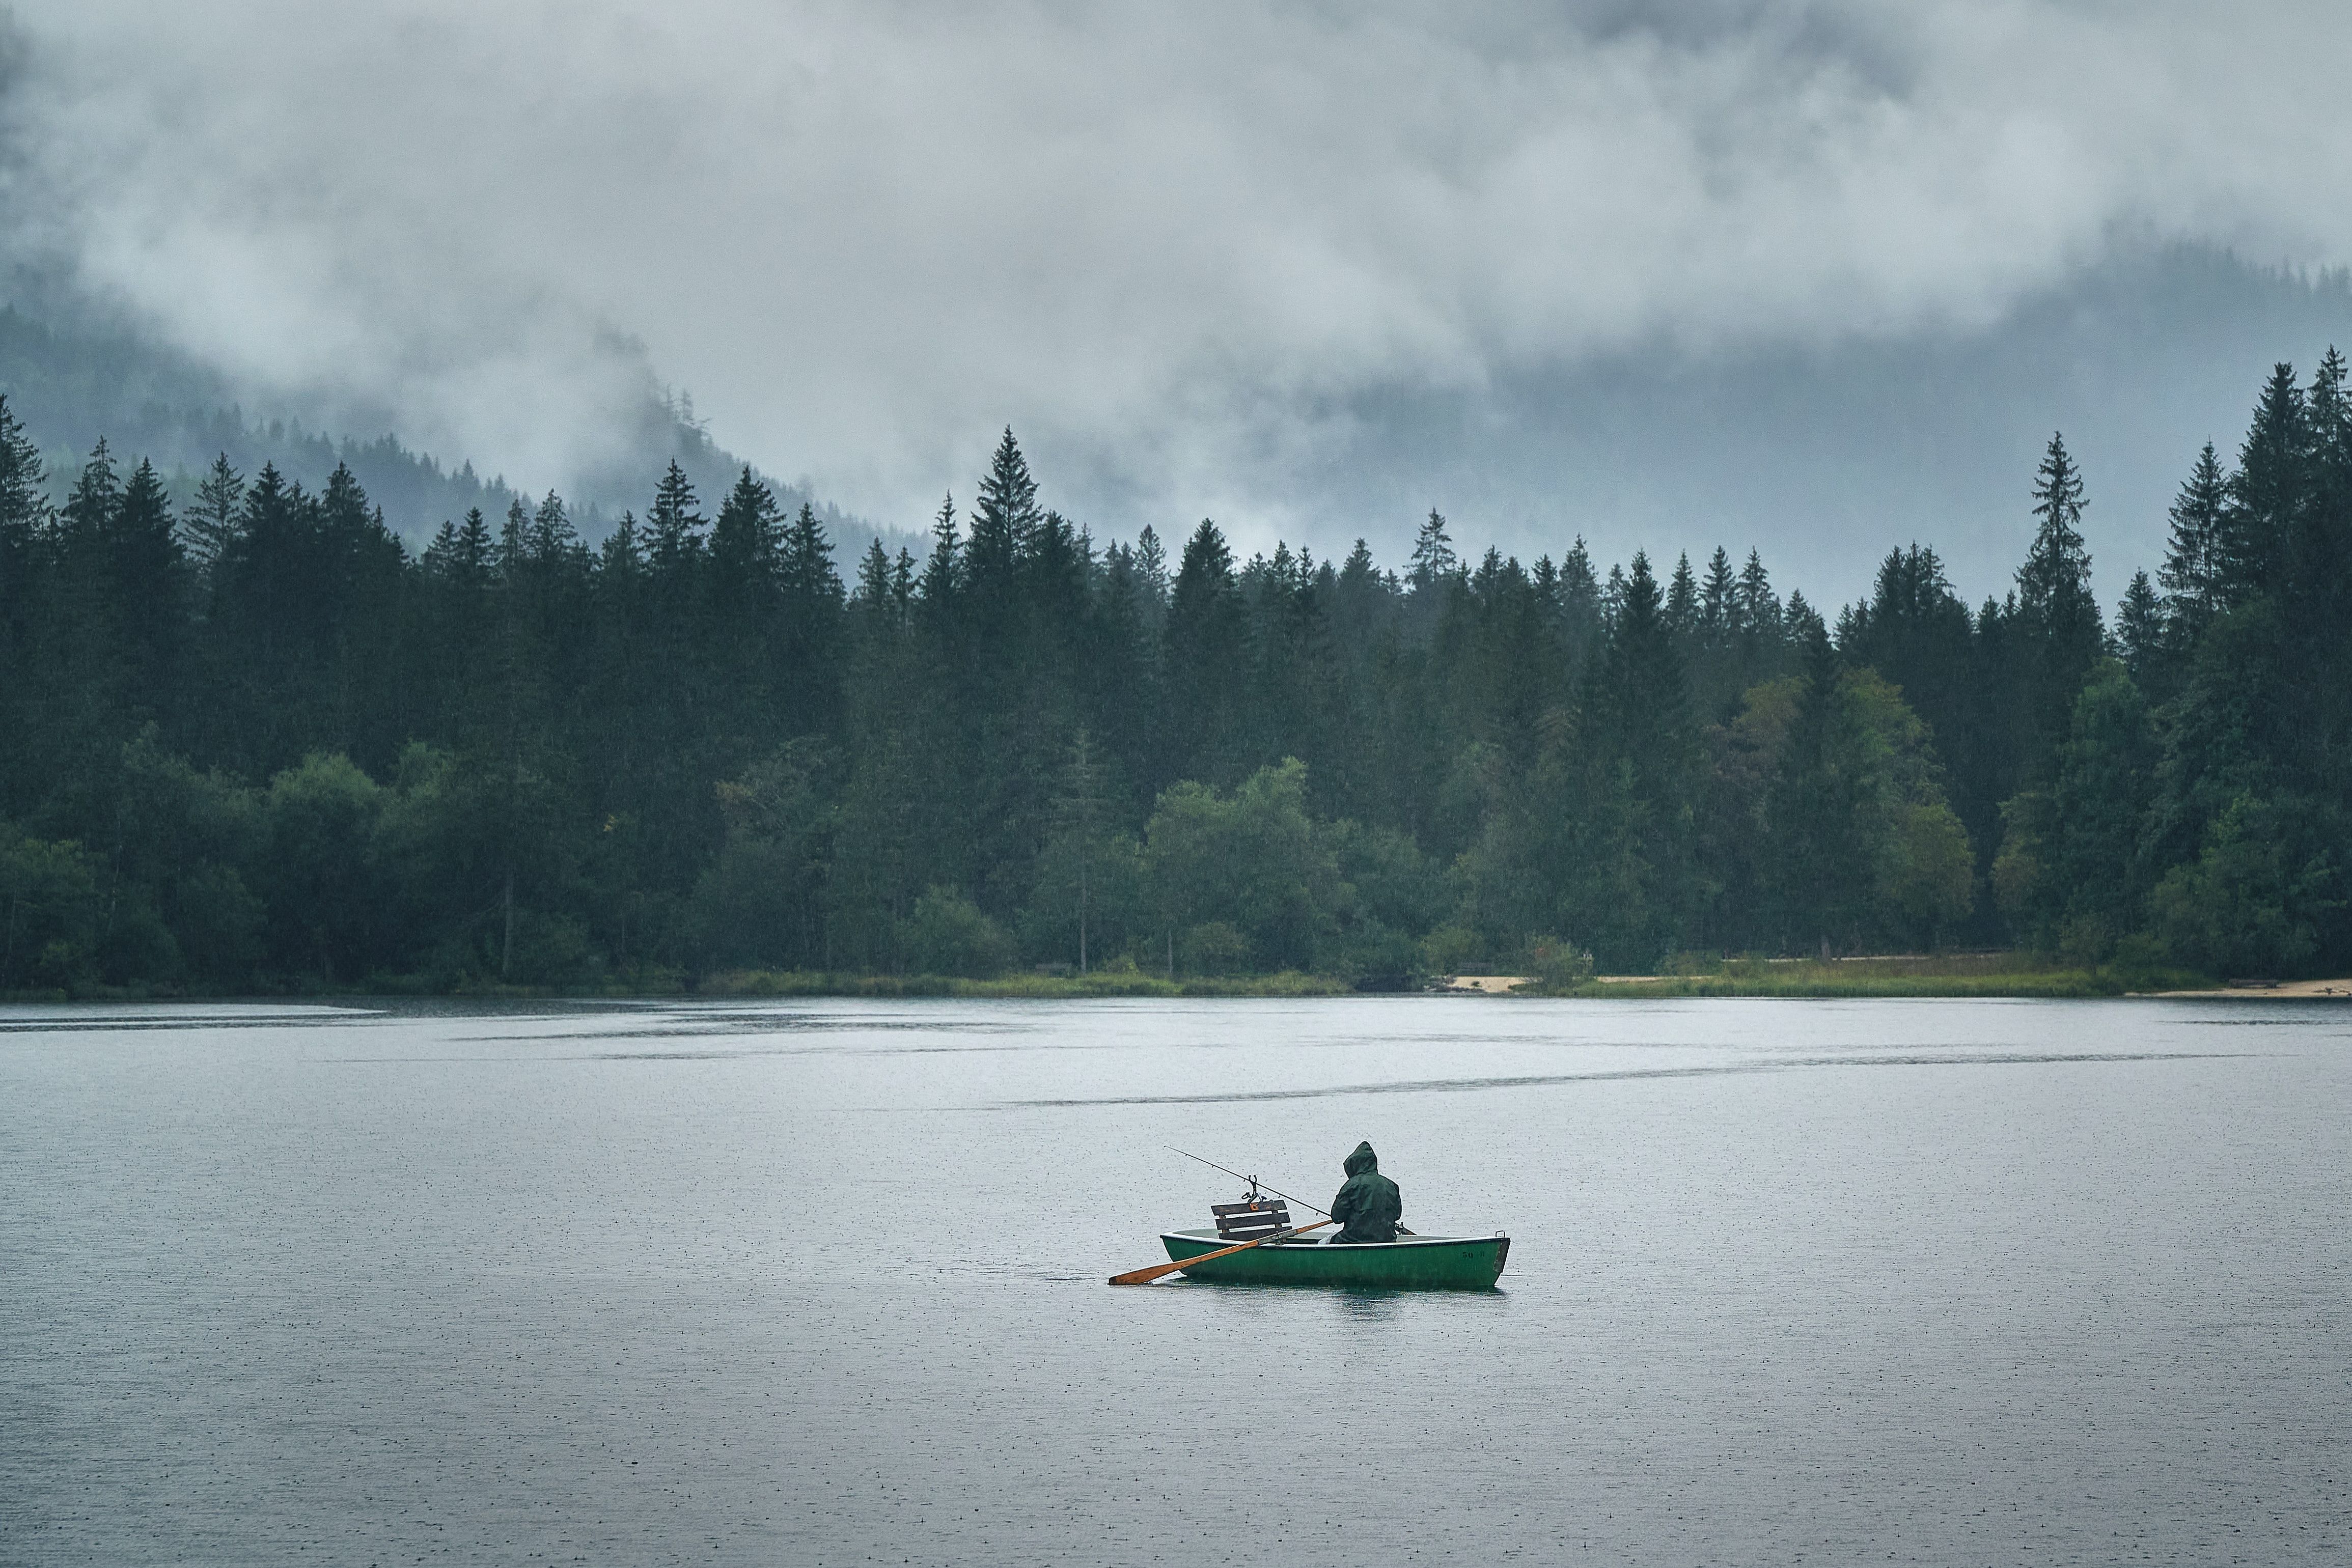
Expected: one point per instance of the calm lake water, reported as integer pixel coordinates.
(1975, 1283)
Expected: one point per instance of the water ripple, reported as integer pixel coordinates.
(1534, 1080)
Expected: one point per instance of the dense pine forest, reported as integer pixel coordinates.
(253, 743)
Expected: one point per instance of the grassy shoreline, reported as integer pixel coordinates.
(1101, 983)
(1945, 975)
(2054, 983)
(1973, 975)
(748, 983)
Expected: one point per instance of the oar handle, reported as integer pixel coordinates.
(1162, 1270)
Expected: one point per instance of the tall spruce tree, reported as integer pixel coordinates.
(2140, 629)
(673, 527)
(2057, 610)
(146, 585)
(1433, 560)
(1823, 870)
(943, 567)
(1207, 651)
(211, 523)
(1004, 517)
(2192, 571)
(1681, 600)
(2267, 493)
(1718, 600)
(1759, 629)
(24, 517)
(2318, 593)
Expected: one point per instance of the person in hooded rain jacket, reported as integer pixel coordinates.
(1369, 1206)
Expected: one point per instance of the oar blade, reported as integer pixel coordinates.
(1145, 1275)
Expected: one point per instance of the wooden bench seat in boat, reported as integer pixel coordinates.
(1248, 1220)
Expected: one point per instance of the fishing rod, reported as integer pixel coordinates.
(1254, 1182)
(1256, 1185)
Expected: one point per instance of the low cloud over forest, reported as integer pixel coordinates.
(1309, 270)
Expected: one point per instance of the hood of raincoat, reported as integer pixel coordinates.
(1362, 1160)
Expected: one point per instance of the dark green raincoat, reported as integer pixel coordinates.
(1369, 1206)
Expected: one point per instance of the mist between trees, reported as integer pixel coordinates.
(253, 744)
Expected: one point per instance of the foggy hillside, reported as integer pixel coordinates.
(73, 377)
(1822, 458)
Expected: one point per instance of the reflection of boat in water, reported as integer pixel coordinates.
(1410, 1262)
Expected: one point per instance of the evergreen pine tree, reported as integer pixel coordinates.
(2266, 494)
(941, 571)
(1002, 521)
(1645, 696)
(554, 539)
(2319, 588)
(672, 527)
(1081, 806)
(1823, 872)
(212, 522)
(1544, 577)
(1206, 653)
(24, 520)
(2192, 572)
(1802, 622)
(2140, 629)
(23, 500)
(145, 548)
(1719, 615)
(2058, 617)
(146, 589)
(2328, 412)
(514, 543)
(1637, 730)
(474, 553)
(1759, 629)
(805, 567)
(1577, 579)
(1681, 600)
(1581, 612)
(441, 551)
(620, 555)
(89, 511)
(747, 539)
(872, 598)
(1151, 571)
(1433, 560)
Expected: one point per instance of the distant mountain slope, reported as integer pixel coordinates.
(75, 380)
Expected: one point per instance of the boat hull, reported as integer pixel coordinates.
(1408, 1263)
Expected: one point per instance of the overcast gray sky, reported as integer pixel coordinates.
(1164, 243)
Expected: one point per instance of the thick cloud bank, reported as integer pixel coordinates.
(1181, 248)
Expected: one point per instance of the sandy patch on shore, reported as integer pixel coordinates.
(1488, 985)
(2290, 990)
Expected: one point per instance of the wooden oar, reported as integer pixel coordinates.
(1162, 1270)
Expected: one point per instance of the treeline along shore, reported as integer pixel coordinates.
(254, 743)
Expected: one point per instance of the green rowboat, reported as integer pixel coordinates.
(1408, 1263)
